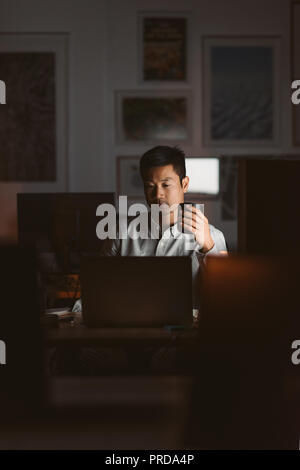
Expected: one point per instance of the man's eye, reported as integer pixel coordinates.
(166, 185)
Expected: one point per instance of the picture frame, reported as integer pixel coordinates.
(129, 181)
(164, 47)
(241, 91)
(295, 67)
(153, 117)
(37, 158)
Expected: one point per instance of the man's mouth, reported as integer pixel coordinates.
(160, 203)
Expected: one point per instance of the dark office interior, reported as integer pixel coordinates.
(130, 352)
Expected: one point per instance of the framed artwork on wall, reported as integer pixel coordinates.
(153, 117)
(163, 46)
(129, 181)
(241, 91)
(33, 122)
(295, 67)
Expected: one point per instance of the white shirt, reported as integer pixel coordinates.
(171, 243)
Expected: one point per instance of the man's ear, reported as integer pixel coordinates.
(185, 183)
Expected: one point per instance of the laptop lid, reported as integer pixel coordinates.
(136, 291)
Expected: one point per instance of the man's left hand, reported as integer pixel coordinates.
(194, 221)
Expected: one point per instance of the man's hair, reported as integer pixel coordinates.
(162, 156)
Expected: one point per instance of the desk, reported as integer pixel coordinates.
(139, 343)
(83, 336)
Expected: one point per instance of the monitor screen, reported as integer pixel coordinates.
(203, 173)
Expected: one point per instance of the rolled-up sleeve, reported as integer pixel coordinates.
(220, 244)
(219, 247)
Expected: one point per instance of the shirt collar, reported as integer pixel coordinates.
(173, 229)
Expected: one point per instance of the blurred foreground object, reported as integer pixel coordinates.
(21, 378)
(246, 388)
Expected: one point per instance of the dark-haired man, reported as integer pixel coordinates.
(165, 182)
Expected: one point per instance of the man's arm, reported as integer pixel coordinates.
(219, 242)
(209, 239)
(219, 247)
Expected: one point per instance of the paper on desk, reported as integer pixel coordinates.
(196, 313)
(60, 312)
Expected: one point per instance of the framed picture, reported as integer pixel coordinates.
(241, 91)
(153, 117)
(129, 181)
(33, 122)
(295, 66)
(163, 46)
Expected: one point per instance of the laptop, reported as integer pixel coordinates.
(136, 291)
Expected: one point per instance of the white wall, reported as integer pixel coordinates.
(103, 58)
(85, 22)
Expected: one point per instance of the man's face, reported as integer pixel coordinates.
(162, 186)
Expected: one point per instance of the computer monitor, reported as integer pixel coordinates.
(203, 173)
(63, 224)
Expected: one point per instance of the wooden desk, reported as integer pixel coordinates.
(139, 344)
(83, 336)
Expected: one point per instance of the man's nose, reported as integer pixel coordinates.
(159, 194)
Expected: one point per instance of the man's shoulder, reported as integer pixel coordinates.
(217, 234)
(214, 229)
(218, 237)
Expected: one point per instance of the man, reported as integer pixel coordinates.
(165, 183)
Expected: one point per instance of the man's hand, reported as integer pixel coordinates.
(194, 221)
